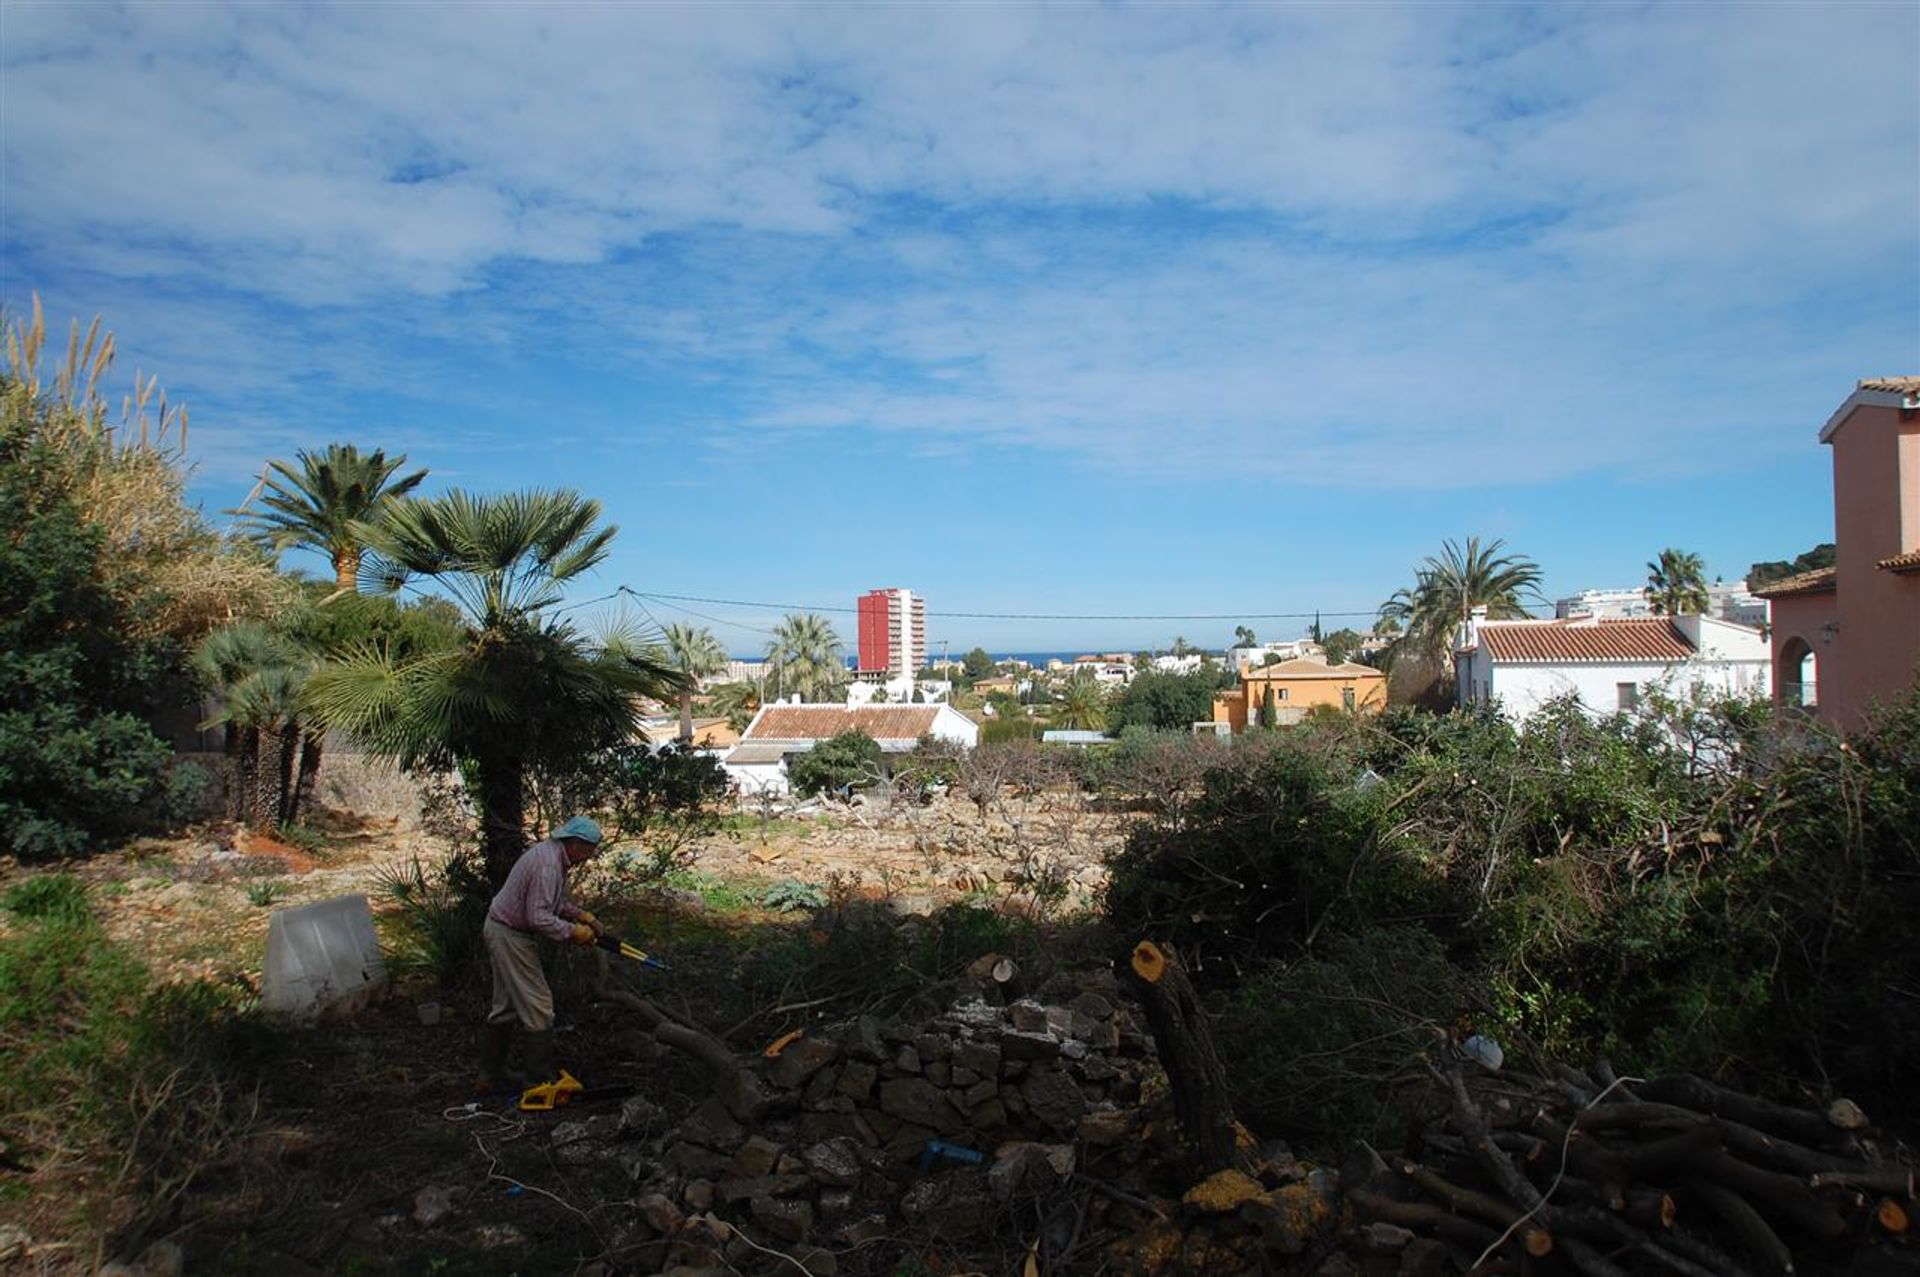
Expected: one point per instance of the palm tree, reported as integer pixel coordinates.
(517, 685)
(696, 654)
(258, 675)
(805, 657)
(321, 505)
(1082, 705)
(1179, 645)
(737, 701)
(1449, 586)
(1677, 583)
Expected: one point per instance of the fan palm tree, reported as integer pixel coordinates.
(1677, 583)
(805, 656)
(322, 504)
(1449, 586)
(1082, 705)
(258, 676)
(737, 701)
(517, 685)
(697, 654)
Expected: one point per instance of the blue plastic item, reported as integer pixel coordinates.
(941, 1150)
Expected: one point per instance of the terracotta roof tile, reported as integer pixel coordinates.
(820, 722)
(1583, 639)
(1908, 562)
(1897, 385)
(1818, 581)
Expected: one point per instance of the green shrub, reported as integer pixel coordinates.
(78, 763)
(852, 758)
(1692, 886)
(790, 894)
(441, 919)
(60, 897)
(960, 933)
(1279, 844)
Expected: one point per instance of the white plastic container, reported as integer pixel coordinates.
(321, 958)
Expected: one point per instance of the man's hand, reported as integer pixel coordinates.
(591, 921)
(583, 934)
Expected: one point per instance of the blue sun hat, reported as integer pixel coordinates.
(581, 827)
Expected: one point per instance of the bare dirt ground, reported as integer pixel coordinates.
(356, 1119)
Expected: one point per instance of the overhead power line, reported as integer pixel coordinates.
(1014, 616)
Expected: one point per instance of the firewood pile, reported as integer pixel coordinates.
(1605, 1176)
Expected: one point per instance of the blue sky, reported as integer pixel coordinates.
(1076, 309)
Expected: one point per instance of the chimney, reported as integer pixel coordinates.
(1469, 636)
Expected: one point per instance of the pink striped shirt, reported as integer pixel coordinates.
(534, 897)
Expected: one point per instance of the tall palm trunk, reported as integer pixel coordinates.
(288, 738)
(686, 718)
(232, 746)
(346, 568)
(246, 780)
(501, 790)
(311, 745)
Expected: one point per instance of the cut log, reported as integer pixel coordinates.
(1846, 1115)
(1891, 1216)
(1783, 1196)
(1756, 1235)
(1651, 1209)
(1890, 1179)
(1465, 1200)
(1184, 1041)
(737, 1088)
(1744, 1140)
(1697, 1093)
(1441, 1222)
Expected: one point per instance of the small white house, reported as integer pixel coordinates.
(758, 764)
(1609, 663)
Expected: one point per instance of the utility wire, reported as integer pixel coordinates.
(1017, 616)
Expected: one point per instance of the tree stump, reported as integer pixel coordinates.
(1184, 1041)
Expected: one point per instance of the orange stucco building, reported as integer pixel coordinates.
(1301, 685)
(1848, 636)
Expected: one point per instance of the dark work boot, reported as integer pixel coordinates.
(541, 1065)
(494, 1074)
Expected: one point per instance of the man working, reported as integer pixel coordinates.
(532, 903)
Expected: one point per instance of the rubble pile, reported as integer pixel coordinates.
(931, 1125)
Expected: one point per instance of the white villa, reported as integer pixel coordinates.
(1609, 663)
(758, 764)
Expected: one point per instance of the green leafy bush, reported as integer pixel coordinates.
(790, 894)
(852, 758)
(78, 763)
(1691, 886)
(958, 934)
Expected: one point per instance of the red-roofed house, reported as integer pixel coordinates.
(1608, 663)
(758, 764)
(1857, 623)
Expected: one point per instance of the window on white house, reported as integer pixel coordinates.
(1628, 693)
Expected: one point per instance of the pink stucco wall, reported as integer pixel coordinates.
(1811, 619)
(1876, 514)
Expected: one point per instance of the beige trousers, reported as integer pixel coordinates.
(519, 986)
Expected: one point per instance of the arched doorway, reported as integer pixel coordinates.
(1797, 677)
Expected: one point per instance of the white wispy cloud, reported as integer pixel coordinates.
(1415, 245)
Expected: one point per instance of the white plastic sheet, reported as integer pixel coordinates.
(321, 958)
